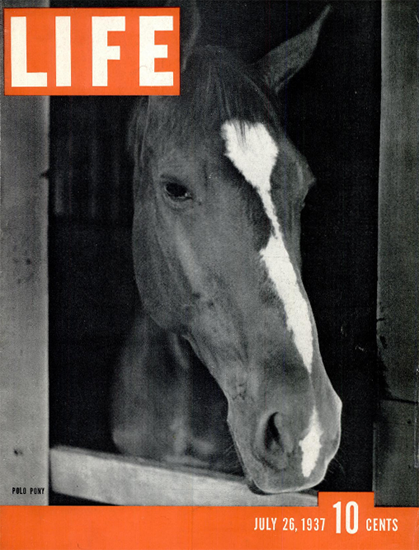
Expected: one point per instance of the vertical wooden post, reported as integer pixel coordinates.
(396, 451)
(24, 297)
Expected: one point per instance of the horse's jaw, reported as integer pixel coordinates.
(283, 417)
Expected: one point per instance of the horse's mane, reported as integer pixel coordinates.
(215, 87)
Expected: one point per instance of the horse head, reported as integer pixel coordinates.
(219, 189)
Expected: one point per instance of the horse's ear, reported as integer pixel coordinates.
(283, 62)
(190, 23)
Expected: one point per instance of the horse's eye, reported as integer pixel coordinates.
(177, 191)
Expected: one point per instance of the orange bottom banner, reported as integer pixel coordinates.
(341, 520)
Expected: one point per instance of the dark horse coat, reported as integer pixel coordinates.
(218, 194)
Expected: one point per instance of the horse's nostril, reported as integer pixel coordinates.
(272, 437)
(278, 438)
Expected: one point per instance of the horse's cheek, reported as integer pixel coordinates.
(160, 288)
(147, 275)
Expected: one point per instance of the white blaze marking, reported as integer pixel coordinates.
(311, 445)
(252, 150)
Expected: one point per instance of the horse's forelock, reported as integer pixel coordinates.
(215, 87)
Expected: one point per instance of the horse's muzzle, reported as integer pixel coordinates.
(282, 453)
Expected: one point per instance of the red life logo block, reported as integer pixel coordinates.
(91, 51)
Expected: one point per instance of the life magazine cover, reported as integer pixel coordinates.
(209, 273)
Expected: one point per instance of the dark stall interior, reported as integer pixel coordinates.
(332, 111)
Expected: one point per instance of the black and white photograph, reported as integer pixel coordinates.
(212, 298)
